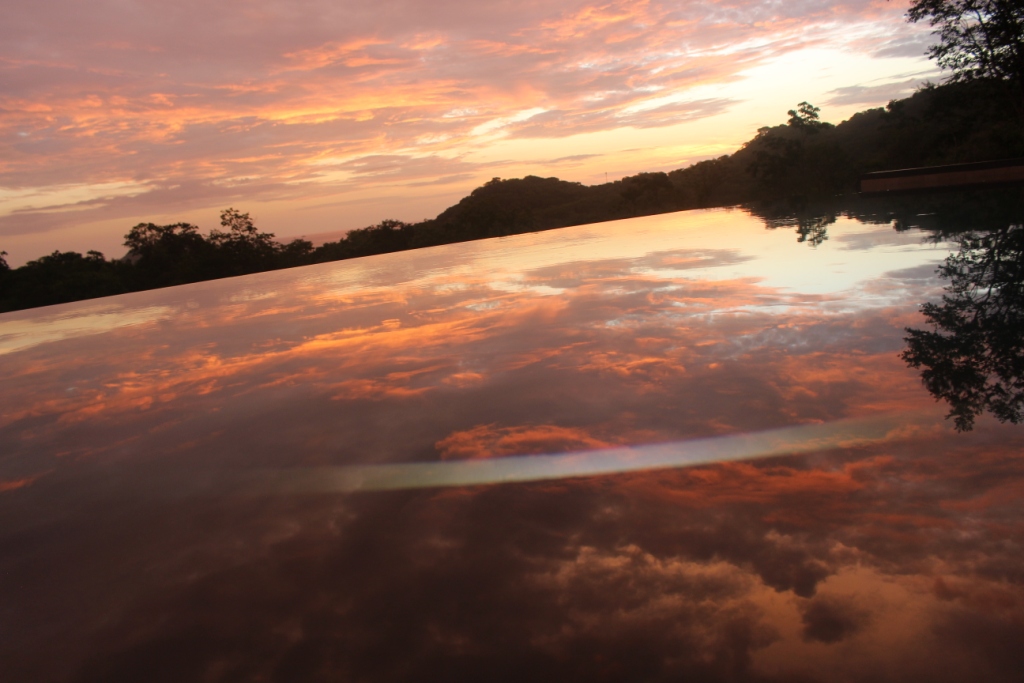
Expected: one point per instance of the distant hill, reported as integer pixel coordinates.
(792, 165)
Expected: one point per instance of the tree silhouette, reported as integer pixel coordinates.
(974, 356)
(243, 248)
(61, 277)
(166, 255)
(806, 117)
(978, 39)
(798, 160)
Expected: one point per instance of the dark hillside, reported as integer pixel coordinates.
(507, 207)
(783, 173)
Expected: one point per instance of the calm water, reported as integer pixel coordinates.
(353, 471)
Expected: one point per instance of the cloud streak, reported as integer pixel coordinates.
(270, 102)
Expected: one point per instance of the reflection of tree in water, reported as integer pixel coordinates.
(810, 229)
(974, 357)
(943, 214)
(810, 219)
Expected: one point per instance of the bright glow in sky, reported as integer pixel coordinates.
(320, 116)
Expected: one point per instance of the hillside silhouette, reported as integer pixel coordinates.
(782, 171)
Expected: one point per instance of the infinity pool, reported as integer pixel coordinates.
(680, 447)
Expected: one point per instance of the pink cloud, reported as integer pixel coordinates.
(488, 441)
(222, 94)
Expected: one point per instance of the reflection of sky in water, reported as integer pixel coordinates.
(527, 468)
(873, 544)
(29, 330)
(717, 244)
(668, 247)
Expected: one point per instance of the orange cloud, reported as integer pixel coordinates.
(491, 441)
(14, 484)
(251, 107)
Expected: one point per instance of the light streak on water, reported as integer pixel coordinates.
(419, 475)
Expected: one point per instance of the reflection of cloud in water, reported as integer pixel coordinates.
(612, 351)
(874, 239)
(488, 441)
(16, 335)
(687, 244)
(882, 561)
(888, 558)
(493, 470)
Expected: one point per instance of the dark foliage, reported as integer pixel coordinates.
(158, 256)
(974, 356)
(59, 278)
(507, 207)
(978, 40)
(383, 238)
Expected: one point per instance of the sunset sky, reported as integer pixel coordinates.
(319, 116)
